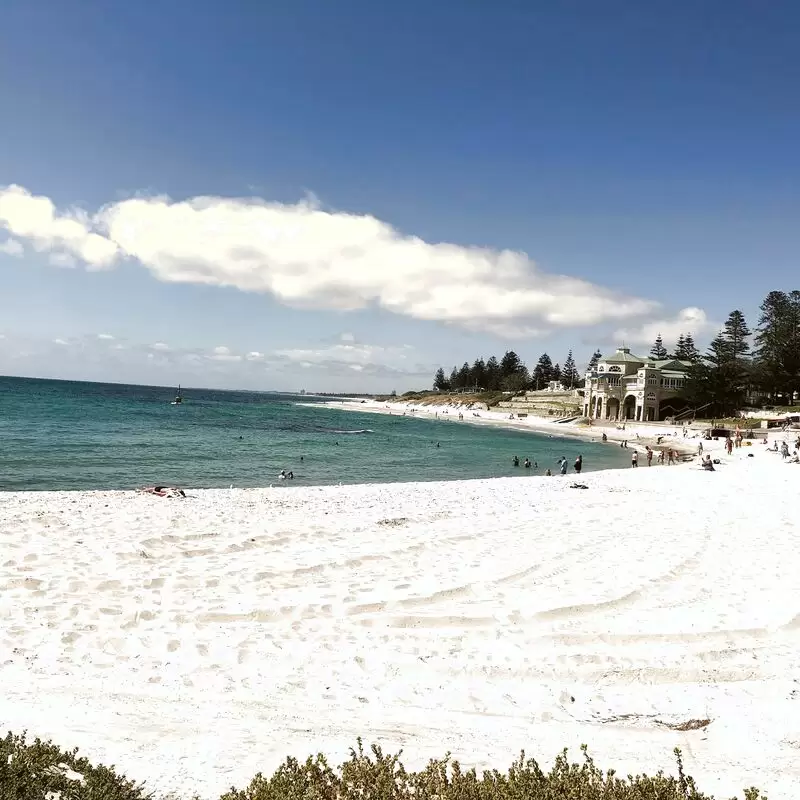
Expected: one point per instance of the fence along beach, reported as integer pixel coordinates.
(194, 642)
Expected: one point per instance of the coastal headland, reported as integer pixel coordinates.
(194, 642)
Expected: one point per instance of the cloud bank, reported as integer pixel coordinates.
(689, 320)
(332, 366)
(311, 258)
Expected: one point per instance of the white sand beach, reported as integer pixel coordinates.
(195, 642)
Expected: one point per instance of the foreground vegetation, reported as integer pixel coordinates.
(38, 770)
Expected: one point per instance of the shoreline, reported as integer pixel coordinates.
(638, 435)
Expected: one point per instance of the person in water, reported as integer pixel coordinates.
(563, 466)
(527, 463)
(547, 472)
(578, 466)
(515, 461)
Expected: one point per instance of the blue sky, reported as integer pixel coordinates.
(388, 186)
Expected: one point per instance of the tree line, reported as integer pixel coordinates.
(509, 374)
(742, 367)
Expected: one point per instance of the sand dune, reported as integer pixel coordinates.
(194, 642)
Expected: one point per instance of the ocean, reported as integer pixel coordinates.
(63, 435)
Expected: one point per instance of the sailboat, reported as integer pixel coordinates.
(178, 397)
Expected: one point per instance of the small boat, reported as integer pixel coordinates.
(178, 397)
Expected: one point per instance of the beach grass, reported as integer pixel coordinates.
(32, 770)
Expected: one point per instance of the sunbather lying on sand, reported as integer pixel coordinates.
(164, 491)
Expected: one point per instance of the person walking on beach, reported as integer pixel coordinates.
(670, 456)
(700, 449)
(649, 456)
(578, 465)
(563, 466)
(634, 459)
(729, 445)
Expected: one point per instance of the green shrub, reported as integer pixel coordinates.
(32, 771)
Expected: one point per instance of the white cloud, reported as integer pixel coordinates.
(160, 346)
(254, 355)
(36, 219)
(223, 353)
(63, 260)
(59, 342)
(347, 337)
(312, 258)
(11, 247)
(689, 320)
(362, 354)
(107, 337)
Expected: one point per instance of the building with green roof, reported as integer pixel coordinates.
(624, 386)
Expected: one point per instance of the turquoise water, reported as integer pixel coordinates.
(65, 435)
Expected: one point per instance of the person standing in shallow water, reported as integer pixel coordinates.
(634, 459)
(578, 466)
(564, 466)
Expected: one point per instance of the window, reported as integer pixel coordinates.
(672, 383)
(614, 381)
(615, 369)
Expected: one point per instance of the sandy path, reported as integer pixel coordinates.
(196, 642)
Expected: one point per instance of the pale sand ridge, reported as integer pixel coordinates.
(195, 642)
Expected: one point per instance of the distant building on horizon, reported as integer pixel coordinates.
(624, 386)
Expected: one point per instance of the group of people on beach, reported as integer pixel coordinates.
(563, 465)
(649, 454)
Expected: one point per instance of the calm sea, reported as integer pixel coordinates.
(67, 435)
